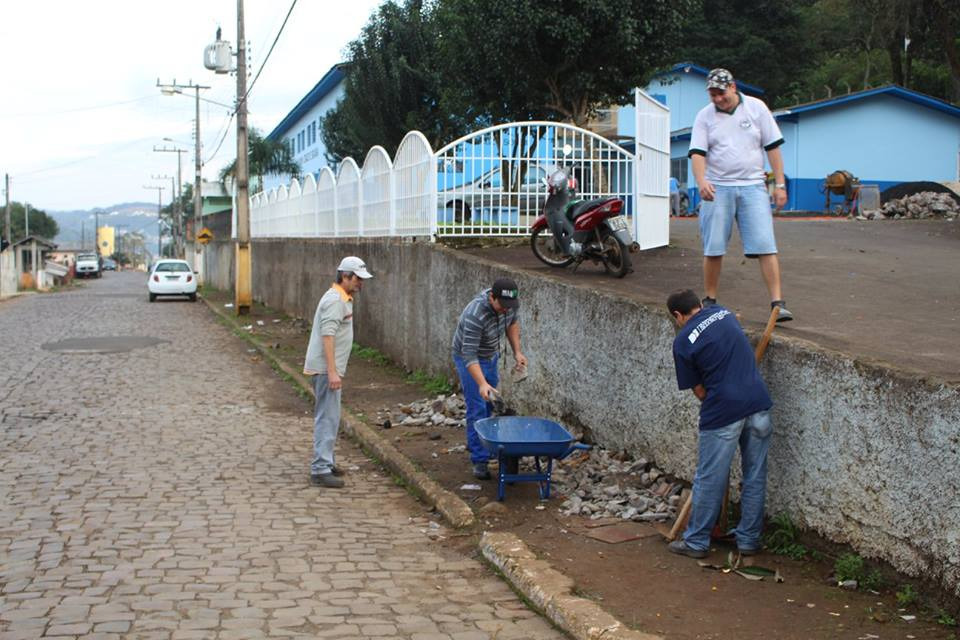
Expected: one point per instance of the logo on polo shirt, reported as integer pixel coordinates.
(745, 124)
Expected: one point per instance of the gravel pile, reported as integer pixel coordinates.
(600, 485)
(442, 411)
(918, 206)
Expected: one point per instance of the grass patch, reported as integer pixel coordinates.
(784, 538)
(907, 595)
(434, 385)
(370, 355)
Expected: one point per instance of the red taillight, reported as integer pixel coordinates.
(189, 278)
(156, 278)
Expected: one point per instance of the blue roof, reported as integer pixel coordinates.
(327, 83)
(893, 90)
(689, 67)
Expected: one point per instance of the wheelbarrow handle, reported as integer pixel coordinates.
(576, 446)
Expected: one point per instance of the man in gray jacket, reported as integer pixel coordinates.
(331, 340)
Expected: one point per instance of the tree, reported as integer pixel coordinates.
(265, 156)
(522, 59)
(40, 223)
(761, 42)
(393, 85)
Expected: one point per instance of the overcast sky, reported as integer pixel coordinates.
(80, 112)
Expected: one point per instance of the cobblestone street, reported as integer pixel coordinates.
(162, 491)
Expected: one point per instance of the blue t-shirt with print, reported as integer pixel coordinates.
(711, 350)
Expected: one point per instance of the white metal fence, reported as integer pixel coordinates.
(487, 183)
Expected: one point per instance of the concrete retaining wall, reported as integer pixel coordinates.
(863, 454)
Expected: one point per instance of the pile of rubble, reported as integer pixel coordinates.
(600, 485)
(926, 204)
(442, 411)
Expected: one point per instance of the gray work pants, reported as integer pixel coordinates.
(326, 424)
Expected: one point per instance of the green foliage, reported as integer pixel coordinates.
(873, 581)
(783, 538)
(392, 86)
(434, 385)
(370, 355)
(509, 60)
(907, 595)
(41, 224)
(849, 566)
(265, 157)
(945, 618)
(807, 50)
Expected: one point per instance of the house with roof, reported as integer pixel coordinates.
(300, 129)
(884, 136)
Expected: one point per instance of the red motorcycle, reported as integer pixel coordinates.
(570, 231)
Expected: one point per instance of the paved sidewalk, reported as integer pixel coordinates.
(162, 493)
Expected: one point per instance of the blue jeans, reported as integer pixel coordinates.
(326, 424)
(750, 207)
(477, 407)
(716, 449)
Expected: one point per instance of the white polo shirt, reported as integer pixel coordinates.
(733, 143)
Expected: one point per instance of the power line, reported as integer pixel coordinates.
(91, 108)
(264, 63)
(250, 88)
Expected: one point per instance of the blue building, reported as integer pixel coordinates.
(884, 136)
(300, 128)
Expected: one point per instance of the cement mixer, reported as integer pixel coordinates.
(843, 183)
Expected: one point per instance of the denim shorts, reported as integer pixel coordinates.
(750, 206)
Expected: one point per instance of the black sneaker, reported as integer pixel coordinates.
(748, 552)
(680, 546)
(327, 480)
(480, 471)
(783, 315)
(708, 302)
(337, 471)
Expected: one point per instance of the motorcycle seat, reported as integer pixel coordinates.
(577, 209)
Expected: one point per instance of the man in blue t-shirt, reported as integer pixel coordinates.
(713, 359)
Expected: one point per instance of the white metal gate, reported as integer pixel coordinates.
(491, 182)
(652, 222)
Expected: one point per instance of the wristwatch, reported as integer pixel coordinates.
(780, 185)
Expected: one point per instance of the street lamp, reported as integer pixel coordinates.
(169, 90)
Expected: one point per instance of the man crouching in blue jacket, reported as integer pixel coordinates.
(714, 359)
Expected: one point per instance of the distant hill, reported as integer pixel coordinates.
(76, 226)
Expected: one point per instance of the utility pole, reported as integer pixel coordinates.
(83, 235)
(170, 89)
(7, 214)
(244, 295)
(96, 230)
(177, 210)
(159, 219)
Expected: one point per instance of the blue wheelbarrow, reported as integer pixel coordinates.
(508, 437)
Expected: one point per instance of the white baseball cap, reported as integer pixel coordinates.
(353, 264)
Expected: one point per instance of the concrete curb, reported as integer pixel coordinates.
(454, 510)
(551, 591)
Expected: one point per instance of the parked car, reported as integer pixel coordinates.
(88, 265)
(469, 199)
(109, 264)
(172, 278)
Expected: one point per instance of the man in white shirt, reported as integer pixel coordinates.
(727, 144)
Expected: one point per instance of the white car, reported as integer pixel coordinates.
(88, 266)
(172, 278)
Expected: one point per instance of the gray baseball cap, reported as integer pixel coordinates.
(719, 79)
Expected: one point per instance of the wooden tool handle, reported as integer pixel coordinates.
(682, 519)
(767, 333)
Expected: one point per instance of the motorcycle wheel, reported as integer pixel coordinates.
(616, 256)
(546, 249)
